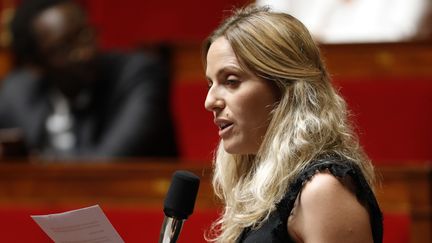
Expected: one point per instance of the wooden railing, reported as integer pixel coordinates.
(344, 61)
(143, 183)
(411, 59)
(139, 183)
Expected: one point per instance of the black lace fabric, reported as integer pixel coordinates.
(275, 228)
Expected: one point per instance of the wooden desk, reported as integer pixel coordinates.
(404, 189)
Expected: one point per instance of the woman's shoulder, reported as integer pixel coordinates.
(331, 191)
(335, 168)
(331, 195)
(321, 184)
(328, 211)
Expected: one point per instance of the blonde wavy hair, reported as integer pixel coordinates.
(309, 121)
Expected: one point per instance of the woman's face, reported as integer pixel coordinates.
(241, 102)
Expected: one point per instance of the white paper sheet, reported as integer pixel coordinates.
(85, 225)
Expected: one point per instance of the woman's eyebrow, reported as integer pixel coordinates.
(228, 69)
(224, 70)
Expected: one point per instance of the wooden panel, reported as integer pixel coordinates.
(346, 61)
(357, 61)
(408, 190)
(390, 60)
(404, 189)
(142, 184)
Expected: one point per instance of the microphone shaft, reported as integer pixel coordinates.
(170, 230)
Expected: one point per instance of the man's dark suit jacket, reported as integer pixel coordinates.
(128, 113)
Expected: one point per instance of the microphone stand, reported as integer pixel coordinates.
(171, 228)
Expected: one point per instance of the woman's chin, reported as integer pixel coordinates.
(231, 149)
(237, 150)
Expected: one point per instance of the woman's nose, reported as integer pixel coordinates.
(213, 101)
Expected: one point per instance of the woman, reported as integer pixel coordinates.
(288, 167)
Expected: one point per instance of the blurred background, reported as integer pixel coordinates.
(379, 53)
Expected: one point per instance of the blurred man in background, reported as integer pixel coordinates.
(67, 100)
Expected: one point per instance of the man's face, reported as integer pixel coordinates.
(66, 44)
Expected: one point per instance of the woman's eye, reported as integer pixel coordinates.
(231, 82)
(209, 84)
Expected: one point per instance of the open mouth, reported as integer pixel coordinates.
(224, 126)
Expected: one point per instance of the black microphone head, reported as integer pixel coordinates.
(180, 199)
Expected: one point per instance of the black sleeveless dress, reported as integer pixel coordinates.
(274, 230)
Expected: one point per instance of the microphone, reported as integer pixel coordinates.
(178, 205)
